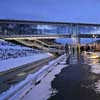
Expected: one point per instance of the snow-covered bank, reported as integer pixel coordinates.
(9, 50)
(44, 90)
(12, 55)
(23, 87)
(13, 63)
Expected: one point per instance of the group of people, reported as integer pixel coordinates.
(87, 48)
(79, 49)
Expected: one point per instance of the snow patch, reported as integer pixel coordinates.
(97, 86)
(44, 90)
(95, 68)
(13, 63)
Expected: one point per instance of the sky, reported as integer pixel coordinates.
(87, 11)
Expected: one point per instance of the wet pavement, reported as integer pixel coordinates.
(75, 82)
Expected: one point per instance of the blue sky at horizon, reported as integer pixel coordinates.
(86, 11)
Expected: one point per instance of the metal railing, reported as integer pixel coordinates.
(23, 36)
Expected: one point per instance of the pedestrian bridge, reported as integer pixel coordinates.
(22, 29)
(55, 36)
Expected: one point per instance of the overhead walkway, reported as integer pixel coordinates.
(31, 36)
(55, 36)
(22, 29)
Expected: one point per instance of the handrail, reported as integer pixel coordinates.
(20, 36)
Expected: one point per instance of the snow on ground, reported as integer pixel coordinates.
(13, 63)
(9, 50)
(4, 44)
(97, 86)
(12, 55)
(95, 68)
(44, 84)
(92, 61)
(43, 90)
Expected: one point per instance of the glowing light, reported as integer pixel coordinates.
(93, 56)
(21, 74)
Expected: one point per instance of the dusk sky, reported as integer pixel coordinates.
(87, 11)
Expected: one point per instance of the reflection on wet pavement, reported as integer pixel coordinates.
(76, 82)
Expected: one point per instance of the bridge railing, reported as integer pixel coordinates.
(35, 36)
(23, 36)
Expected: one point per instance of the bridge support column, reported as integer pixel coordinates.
(75, 38)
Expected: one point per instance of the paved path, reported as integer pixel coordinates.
(75, 82)
(72, 82)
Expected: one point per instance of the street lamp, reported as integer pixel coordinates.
(94, 36)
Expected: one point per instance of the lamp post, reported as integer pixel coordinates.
(94, 41)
